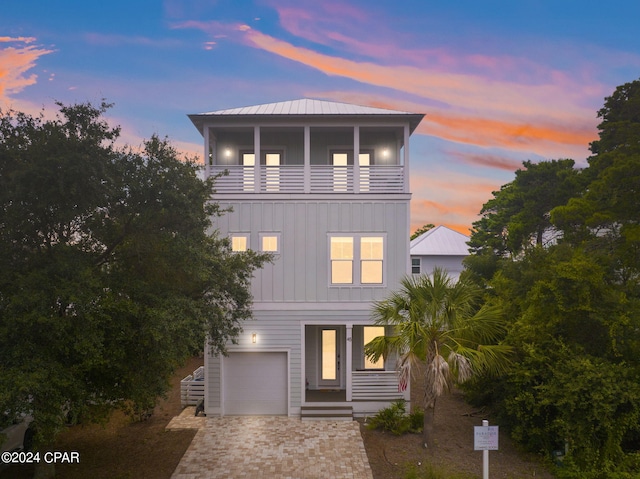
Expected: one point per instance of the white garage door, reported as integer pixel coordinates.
(255, 384)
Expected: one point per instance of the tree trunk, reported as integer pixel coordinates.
(427, 427)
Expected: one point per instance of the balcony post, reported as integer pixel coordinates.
(307, 159)
(208, 158)
(257, 156)
(356, 159)
(405, 166)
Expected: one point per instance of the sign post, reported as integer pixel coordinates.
(485, 439)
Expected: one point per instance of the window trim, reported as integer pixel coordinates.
(414, 266)
(247, 238)
(269, 234)
(357, 260)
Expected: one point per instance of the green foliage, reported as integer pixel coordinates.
(110, 275)
(440, 331)
(517, 217)
(421, 230)
(394, 419)
(574, 307)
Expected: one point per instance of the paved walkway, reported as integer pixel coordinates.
(271, 447)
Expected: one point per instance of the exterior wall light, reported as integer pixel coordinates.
(254, 338)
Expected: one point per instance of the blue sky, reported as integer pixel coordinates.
(500, 82)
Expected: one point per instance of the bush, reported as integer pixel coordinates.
(396, 420)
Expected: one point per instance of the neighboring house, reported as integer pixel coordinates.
(439, 247)
(325, 187)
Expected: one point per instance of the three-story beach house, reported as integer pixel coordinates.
(324, 186)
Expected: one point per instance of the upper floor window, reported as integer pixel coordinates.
(371, 260)
(348, 251)
(341, 260)
(272, 161)
(415, 265)
(239, 242)
(270, 242)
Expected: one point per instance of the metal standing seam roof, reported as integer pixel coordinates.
(306, 107)
(440, 241)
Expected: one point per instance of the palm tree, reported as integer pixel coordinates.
(440, 331)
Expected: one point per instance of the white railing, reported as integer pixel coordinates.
(192, 388)
(375, 386)
(322, 179)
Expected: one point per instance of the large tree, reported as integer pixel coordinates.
(517, 218)
(441, 333)
(110, 271)
(606, 216)
(574, 309)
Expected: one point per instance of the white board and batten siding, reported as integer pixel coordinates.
(300, 272)
(257, 378)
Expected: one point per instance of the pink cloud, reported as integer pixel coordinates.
(17, 39)
(486, 160)
(14, 63)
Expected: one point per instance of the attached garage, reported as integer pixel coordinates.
(255, 383)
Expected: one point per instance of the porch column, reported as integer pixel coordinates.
(356, 159)
(349, 361)
(208, 154)
(256, 153)
(307, 159)
(405, 167)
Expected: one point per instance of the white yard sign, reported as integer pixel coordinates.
(485, 438)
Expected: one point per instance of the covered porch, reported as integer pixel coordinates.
(338, 373)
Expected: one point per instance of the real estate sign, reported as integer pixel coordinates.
(485, 438)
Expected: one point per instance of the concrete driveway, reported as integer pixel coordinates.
(271, 446)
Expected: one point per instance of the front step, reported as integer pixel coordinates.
(330, 413)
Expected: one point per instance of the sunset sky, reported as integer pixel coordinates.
(500, 82)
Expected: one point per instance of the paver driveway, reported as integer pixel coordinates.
(272, 447)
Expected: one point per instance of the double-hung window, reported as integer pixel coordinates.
(341, 260)
(356, 259)
(415, 265)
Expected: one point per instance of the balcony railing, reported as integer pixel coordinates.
(321, 179)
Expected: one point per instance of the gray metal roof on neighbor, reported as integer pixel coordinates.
(305, 107)
(440, 241)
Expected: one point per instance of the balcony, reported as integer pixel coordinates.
(312, 179)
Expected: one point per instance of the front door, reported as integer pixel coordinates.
(330, 340)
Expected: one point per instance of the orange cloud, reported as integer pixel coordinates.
(487, 160)
(14, 63)
(510, 134)
(469, 92)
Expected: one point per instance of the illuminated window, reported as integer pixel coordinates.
(272, 162)
(364, 160)
(340, 171)
(248, 172)
(348, 251)
(370, 333)
(341, 260)
(239, 242)
(371, 252)
(270, 242)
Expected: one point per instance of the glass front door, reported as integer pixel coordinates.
(329, 358)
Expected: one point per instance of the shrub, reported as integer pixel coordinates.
(396, 420)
